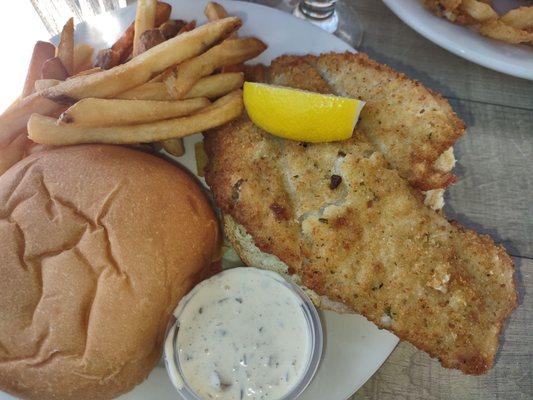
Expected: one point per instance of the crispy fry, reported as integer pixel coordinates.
(148, 91)
(87, 72)
(144, 20)
(107, 112)
(124, 45)
(45, 130)
(107, 59)
(163, 75)
(229, 52)
(14, 120)
(65, 49)
(171, 28)
(201, 158)
(216, 85)
(212, 87)
(42, 51)
(514, 27)
(176, 147)
(501, 31)
(189, 26)
(214, 11)
(83, 57)
(54, 69)
(521, 18)
(170, 70)
(43, 84)
(149, 39)
(478, 10)
(139, 70)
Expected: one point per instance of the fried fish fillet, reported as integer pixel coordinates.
(338, 219)
(411, 125)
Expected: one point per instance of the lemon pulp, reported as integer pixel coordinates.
(301, 115)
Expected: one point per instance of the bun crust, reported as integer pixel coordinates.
(97, 246)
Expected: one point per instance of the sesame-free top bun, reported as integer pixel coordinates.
(97, 246)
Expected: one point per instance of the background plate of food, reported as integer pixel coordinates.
(469, 29)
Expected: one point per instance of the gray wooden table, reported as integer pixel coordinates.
(494, 196)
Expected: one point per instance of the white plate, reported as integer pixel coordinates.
(354, 347)
(516, 60)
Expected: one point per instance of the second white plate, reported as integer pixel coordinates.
(516, 60)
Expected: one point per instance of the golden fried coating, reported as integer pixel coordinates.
(411, 125)
(349, 227)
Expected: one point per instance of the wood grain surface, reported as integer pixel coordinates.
(494, 196)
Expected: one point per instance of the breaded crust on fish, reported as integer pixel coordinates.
(350, 228)
(411, 125)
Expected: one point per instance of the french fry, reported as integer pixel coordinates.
(65, 49)
(171, 28)
(201, 158)
(14, 120)
(212, 87)
(214, 11)
(54, 69)
(148, 91)
(189, 26)
(170, 70)
(478, 10)
(87, 72)
(521, 18)
(176, 147)
(140, 69)
(163, 75)
(83, 57)
(112, 112)
(107, 59)
(229, 52)
(501, 31)
(144, 20)
(216, 85)
(42, 51)
(124, 45)
(149, 39)
(43, 84)
(45, 130)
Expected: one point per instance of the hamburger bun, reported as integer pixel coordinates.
(97, 246)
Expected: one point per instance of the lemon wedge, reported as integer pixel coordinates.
(300, 115)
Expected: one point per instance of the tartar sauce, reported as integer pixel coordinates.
(242, 335)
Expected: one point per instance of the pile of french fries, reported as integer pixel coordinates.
(516, 26)
(163, 79)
